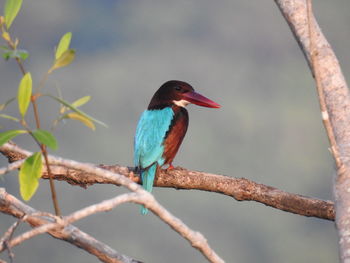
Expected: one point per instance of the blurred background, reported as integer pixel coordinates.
(242, 55)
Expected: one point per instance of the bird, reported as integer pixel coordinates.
(161, 129)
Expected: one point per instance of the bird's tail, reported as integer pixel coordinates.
(147, 177)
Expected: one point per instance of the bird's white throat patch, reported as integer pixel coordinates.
(181, 103)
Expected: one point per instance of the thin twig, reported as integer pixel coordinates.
(11, 167)
(6, 239)
(45, 154)
(12, 206)
(104, 206)
(52, 184)
(10, 253)
(21, 67)
(315, 65)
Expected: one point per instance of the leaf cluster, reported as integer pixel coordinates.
(30, 171)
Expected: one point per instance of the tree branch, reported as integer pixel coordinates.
(240, 189)
(59, 222)
(335, 105)
(196, 239)
(4, 241)
(12, 206)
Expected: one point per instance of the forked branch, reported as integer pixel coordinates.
(334, 100)
(12, 206)
(196, 239)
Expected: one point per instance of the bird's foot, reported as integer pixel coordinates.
(170, 167)
(133, 177)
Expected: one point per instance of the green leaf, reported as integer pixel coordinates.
(63, 45)
(6, 48)
(64, 60)
(6, 55)
(21, 53)
(24, 94)
(77, 103)
(81, 101)
(18, 53)
(12, 8)
(71, 107)
(29, 175)
(81, 118)
(3, 106)
(46, 137)
(5, 116)
(8, 135)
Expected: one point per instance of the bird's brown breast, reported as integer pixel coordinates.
(175, 134)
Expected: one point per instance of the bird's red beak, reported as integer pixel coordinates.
(199, 100)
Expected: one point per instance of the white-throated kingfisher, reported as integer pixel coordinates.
(162, 127)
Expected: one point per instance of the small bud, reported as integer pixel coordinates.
(16, 43)
(6, 36)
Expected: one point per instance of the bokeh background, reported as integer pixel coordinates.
(240, 54)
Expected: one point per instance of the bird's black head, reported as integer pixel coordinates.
(175, 92)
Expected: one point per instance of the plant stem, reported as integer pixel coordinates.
(12, 45)
(44, 152)
(52, 184)
(21, 67)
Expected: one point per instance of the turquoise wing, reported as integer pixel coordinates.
(149, 137)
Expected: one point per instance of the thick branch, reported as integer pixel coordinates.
(239, 188)
(335, 103)
(336, 93)
(196, 239)
(12, 206)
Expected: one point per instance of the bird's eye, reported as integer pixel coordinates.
(178, 88)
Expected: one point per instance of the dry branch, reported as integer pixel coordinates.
(12, 206)
(239, 188)
(196, 239)
(335, 105)
(59, 222)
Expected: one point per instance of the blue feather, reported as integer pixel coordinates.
(148, 144)
(147, 182)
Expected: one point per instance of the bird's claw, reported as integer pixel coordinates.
(133, 177)
(171, 167)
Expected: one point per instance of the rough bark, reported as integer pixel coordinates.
(334, 93)
(240, 189)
